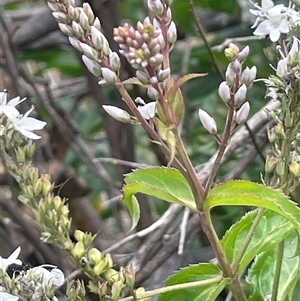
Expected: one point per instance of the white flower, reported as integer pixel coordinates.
(55, 277)
(275, 24)
(12, 103)
(8, 297)
(148, 111)
(12, 258)
(24, 124)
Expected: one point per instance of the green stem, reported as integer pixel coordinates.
(279, 259)
(175, 287)
(247, 240)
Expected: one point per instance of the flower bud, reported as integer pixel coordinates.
(90, 52)
(240, 95)
(97, 23)
(78, 250)
(242, 56)
(84, 20)
(66, 29)
(232, 52)
(117, 113)
(47, 186)
(92, 66)
(248, 76)
(116, 289)
(156, 7)
(109, 75)
(143, 76)
(172, 33)
(114, 61)
(75, 43)
(230, 76)
(294, 168)
(242, 114)
(100, 267)
(236, 66)
(271, 163)
(97, 38)
(208, 122)
(89, 12)
(224, 92)
(163, 74)
(60, 17)
(77, 30)
(94, 255)
(79, 235)
(152, 93)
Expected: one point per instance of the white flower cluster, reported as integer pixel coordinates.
(22, 123)
(274, 20)
(37, 280)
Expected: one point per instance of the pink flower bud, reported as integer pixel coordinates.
(92, 66)
(240, 95)
(90, 52)
(224, 92)
(109, 75)
(172, 33)
(242, 56)
(242, 114)
(236, 66)
(208, 122)
(117, 113)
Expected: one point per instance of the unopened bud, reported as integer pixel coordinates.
(242, 114)
(114, 61)
(100, 267)
(90, 52)
(248, 76)
(172, 33)
(294, 168)
(156, 7)
(152, 93)
(66, 29)
(280, 168)
(97, 23)
(116, 290)
(163, 74)
(143, 77)
(75, 43)
(79, 235)
(117, 113)
(109, 75)
(230, 76)
(242, 56)
(60, 17)
(92, 66)
(224, 92)
(208, 122)
(78, 250)
(84, 20)
(47, 186)
(240, 95)
(94, 255)
(271, 163)
(89, 12)
(236, 66)
(77, 30)
(232, 52)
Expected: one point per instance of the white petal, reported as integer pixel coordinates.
(31, 124)
(267, 4)
(263, 28)
(15, 101)
(12, 258)
(148, 111)
(274, 35)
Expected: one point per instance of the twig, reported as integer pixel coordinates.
(123, 162)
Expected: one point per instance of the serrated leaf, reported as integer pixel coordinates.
(246, 193)
(164, 183)
(202, 292)
(271, 229)
(261, 273)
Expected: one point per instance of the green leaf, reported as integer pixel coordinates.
(245, 193)
(271, 230)
(261, 273)
(164, 183)
(201, 292)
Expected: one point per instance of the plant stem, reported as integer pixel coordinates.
(175, 287)
(247, 240)
(279, 259)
